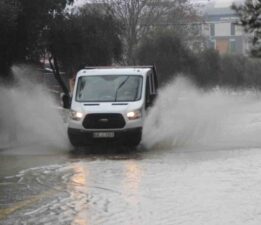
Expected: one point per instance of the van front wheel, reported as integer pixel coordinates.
(74, 140)
(134, 139)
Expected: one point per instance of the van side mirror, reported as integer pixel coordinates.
(66, 101)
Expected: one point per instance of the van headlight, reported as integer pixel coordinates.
(133, 115)
(74, 115)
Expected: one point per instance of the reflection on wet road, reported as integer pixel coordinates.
(71, 192)
(144, 187)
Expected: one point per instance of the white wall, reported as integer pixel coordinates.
(222, 29)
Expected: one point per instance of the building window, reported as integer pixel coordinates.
(212, 29)
(206, 29)
(212, 44)
(239, 30)
(233, 29)
(232, 46)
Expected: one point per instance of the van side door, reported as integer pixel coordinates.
(151, 91)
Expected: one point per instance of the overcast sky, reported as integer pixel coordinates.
(219, 3)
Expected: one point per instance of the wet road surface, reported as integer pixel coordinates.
(157, 186)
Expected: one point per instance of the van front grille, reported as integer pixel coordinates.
(103, 121)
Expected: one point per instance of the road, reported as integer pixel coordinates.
(156, 186)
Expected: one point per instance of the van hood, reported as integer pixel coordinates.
(109, 107)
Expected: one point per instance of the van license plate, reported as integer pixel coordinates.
(103, 135)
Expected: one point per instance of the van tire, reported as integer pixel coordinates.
(134, 139)
(74, 143)
(75, 140)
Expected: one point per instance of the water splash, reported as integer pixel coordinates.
(186, 117)
(29, 114)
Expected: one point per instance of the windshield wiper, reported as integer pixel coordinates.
(119, 87)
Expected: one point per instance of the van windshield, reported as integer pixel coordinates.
(109, 88)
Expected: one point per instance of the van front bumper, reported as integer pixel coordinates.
(131, 136)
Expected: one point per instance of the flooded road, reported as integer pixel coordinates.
(201, 164)
(156, 186)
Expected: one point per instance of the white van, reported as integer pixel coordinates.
(109, 104)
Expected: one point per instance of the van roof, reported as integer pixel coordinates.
(114, 71)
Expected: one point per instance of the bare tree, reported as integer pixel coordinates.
(139, 17)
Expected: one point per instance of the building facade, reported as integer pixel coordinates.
(222, 32)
